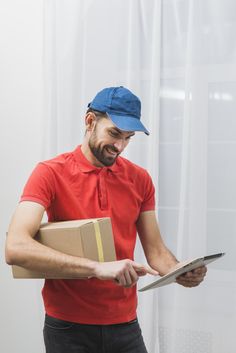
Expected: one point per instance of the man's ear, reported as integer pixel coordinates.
(90, 121)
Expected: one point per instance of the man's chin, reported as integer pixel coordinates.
(108, 162)
(104, 158)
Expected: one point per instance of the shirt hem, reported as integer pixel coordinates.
(92, 321)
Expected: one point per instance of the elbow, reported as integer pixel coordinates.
(13, 254)
(10, 255)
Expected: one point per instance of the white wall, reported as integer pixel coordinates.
(21, 87)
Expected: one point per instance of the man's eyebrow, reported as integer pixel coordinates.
(120, 131)
(131, 134)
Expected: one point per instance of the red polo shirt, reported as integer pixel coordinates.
(70, 187)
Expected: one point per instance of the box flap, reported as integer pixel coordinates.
(98, 244)
(68, 224)
(89, 241)
(108, 244)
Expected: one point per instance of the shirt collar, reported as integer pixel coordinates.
(85, 166)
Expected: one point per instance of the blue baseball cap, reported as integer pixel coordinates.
(121, 106)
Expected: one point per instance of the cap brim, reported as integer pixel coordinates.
(128, 123)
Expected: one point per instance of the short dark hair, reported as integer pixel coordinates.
(97, 113)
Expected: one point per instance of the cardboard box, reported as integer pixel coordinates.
(90, 238)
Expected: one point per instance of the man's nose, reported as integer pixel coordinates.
(119, 145)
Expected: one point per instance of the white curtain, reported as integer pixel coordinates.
(197, 198)
(179, 57)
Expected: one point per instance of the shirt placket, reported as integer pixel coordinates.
(103, 189)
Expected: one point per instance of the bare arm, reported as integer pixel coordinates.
(159, 257)
(23, 250)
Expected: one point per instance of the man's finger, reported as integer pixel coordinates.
(143, 270)
(120, 280)
(134, 276)
(129, 281)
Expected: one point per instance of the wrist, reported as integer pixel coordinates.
(93, 268)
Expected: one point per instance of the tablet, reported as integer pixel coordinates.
(186, 267)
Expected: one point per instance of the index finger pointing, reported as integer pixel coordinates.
(143, 270)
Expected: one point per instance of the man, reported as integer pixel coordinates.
(97, 311)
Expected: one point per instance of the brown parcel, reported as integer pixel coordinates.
(90, 238)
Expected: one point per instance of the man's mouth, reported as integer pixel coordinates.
(111, 152)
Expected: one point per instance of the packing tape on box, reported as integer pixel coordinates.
(98, 241)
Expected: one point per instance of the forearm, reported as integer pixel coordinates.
(162, 260)
(37, 257)
(158, 256)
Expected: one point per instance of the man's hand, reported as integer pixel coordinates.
(192, 278)
(124, 272)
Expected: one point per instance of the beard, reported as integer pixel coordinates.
(101, 153)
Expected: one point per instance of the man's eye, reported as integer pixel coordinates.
(113, 134)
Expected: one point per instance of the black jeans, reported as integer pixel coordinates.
(68, 337)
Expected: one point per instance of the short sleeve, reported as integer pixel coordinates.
(148, 203)
(40, 186)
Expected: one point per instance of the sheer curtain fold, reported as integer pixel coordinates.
(194, 65)
(175, 55)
